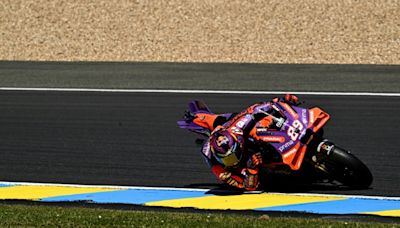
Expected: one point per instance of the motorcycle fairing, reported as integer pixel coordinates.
(292, 138)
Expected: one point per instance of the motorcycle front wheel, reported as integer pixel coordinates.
(348, 169)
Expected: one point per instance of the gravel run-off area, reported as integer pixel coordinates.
(254, 31)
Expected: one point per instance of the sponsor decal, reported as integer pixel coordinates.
(240, 124)
(276, 108)
(323, 146)
(286, 146)
(206, 150)
(236, 130)
(243, 121)
(304, 115)
(262, 130)
(278, 139)
(327, 148)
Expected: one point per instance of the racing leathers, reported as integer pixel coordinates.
(249, 124)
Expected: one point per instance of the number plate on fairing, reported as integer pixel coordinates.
(293, 129)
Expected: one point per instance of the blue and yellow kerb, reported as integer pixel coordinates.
(202, 199)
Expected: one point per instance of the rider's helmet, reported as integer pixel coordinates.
(226, 147)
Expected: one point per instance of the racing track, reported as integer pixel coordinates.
(132, 138)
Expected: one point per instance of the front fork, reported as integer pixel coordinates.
(324, 152)
(318, 154)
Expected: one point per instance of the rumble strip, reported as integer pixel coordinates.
(202, 199)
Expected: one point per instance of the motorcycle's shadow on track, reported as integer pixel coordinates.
(298, 184)
(281, 183)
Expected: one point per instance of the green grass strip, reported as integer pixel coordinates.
(24, 215)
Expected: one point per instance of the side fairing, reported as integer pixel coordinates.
(287, 138)
(291, 131)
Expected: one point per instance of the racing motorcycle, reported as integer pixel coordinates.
(296, 144)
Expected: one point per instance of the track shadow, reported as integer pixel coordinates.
(277, 183)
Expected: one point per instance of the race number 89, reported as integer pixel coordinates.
(293, 130)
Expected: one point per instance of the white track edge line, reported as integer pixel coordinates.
(198, 91)
(191, 189)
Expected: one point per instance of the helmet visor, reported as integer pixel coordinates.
(231, 158)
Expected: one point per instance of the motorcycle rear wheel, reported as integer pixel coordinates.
(348, 169)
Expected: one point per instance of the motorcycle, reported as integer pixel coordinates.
(296, 144)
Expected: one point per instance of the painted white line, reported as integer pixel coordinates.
(189, 189)
(200, 91)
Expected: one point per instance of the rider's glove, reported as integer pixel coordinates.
(226, 177)
(251, 181)
(254, 160)
(292, 99)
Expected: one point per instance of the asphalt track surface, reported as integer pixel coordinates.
(132, 138)
(209, 76)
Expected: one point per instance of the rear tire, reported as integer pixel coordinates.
(348, 169)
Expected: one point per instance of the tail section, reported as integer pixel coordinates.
(201, 120)
(194, 119)
(198, 107)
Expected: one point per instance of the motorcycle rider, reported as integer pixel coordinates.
(231, 149)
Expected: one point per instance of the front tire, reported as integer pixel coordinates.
(348, 169)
